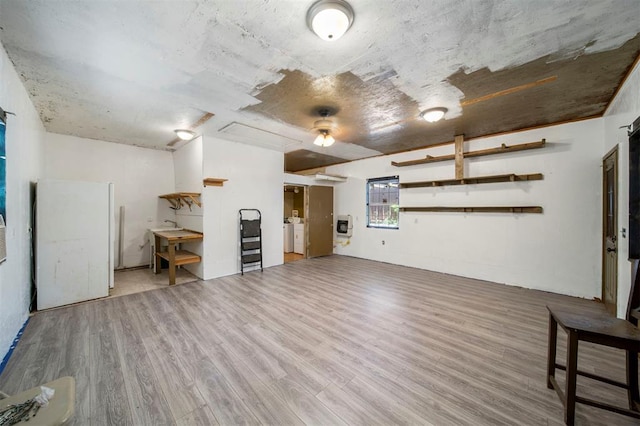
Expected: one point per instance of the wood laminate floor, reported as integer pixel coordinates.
(143, 279)
(292, 257)
(328, 341)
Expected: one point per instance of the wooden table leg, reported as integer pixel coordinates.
(172, 263)
(572, 369)
(158, 247)
(551, 354)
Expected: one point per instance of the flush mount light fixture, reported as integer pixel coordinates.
(434, 114)
(330, 19)
(185, 135)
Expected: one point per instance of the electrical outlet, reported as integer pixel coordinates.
(382, 242)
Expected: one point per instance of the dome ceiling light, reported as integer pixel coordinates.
(330, 19)
(324, 126)
(185, 135)
(434, 114)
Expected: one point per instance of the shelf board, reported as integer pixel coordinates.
(177, 198)
(502, 209)
(480, 153)
(183, 257)
(213, 181)
(474, 180)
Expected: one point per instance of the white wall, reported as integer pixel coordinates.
(24, 145)
(255, 179)
(139, 175)
(187, 163)
(622, 111)
(557, 251)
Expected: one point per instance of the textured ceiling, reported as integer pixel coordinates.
(132, 71)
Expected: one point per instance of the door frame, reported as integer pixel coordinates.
(613, 153)
(304, 212)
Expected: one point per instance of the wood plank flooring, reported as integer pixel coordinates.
(328, 341)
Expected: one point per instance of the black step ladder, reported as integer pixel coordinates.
(250, 238)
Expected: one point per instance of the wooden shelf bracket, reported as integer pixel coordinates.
(180, 199)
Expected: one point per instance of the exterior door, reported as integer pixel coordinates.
(610, 231)
(320, 221)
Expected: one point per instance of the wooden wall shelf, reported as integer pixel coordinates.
(178, 199)
(508, 209)
(213, 181)
(491, 151)
(474, 180)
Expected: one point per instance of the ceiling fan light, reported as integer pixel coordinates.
(328, 140)
(324, 139)
(434, 114)
(185, 135)
(330, 19)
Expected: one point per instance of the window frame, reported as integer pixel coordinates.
(387, 179)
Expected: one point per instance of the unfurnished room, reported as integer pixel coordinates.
(319, 212)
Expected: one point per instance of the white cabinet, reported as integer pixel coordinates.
(298, 238)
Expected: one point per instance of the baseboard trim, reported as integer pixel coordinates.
(5, 360)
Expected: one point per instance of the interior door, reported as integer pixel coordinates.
(610, 231)
(320, 221)
(72, 242)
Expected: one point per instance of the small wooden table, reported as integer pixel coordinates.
(173, 256)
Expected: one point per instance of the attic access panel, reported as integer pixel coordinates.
(304, 159)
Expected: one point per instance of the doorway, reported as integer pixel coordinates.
(308, 221)
(294, 226)
(610, 231)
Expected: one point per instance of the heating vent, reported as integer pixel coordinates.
(243, 133)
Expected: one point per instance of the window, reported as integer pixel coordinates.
(383, 202)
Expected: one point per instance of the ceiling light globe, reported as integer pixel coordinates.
(330, 24)
(434, 114)
(330, 19)
(328, 140)
(185, 135)
(319, 140)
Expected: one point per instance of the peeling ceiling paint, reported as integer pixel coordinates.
(132, 71)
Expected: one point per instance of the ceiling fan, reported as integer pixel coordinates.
(324, 127)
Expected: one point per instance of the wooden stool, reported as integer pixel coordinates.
(594, 324)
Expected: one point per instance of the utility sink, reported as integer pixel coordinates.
(177, 233)
(152, 242)
(165, 228)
